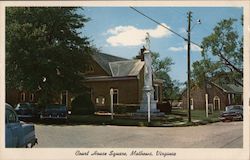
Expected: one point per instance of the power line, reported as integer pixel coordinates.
(185, 39)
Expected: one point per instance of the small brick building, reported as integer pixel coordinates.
(219, 96)
(123, 75)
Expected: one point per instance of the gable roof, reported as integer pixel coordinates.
(103, 60)
(117, 66)
(126, 68)
(226, 88)
(230, 88)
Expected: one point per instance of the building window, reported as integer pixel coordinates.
(156, 92)
(209, 86)
(64, 98)
(90, 92)
(216, 103)
(22, 97)
(192, 103)
(97, 100)
(103, 100)
(100, 100)
(116, 96)
(32, 97)
(90, 69)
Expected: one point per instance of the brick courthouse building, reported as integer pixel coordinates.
(104, 72)
(125, 76)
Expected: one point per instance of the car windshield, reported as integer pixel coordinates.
(234, 107)
(23, 106)
(55, 107)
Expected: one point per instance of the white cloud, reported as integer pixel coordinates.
(132, 36)
(194, 48)
(176, 49)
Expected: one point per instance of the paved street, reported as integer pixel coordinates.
(216, 135)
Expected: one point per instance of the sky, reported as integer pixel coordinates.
(121, 31)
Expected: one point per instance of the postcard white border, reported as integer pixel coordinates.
(69, 153)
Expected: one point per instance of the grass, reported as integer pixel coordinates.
(177, 118)
(199, 115)
(105, 120)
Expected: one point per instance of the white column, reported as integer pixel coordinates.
(148, 95)
(111, 103)
(229, 99)
(206, 97)
(233, 101)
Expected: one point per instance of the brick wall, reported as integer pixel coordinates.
(128, 91)
(198, 96)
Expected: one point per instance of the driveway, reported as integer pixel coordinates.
(216, 135)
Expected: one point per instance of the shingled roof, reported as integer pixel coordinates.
(230, 88)
(126, 68)
(103, 60)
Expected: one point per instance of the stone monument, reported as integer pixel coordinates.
(148, 84)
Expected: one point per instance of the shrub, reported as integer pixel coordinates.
(124, 108)
(82, 105)
(165, 107)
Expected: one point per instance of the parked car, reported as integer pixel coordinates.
(54, 111)
(27, 111)
(17, 134)
(233, 112)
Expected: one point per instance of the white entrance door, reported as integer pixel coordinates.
(192, 104)
(216, 103)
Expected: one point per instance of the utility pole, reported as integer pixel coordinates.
(188, 66)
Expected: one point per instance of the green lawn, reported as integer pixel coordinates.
(198, 115)
(106, 120)
(177, 118)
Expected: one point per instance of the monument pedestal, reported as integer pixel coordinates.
(143, 110)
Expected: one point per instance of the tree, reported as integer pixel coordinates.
(45, 52)
(226, 44)
(171, 89)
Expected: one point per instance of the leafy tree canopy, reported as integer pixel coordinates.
(45, 50)
(171, 90)
(226, 44)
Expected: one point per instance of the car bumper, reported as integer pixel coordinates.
(25, 116)
(230, 118)
(52, 117)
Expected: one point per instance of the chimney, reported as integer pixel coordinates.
(141, 55)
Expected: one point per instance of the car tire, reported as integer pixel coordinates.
(241, 117)
(29, 145)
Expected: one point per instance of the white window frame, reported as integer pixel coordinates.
(216, 98)
(192, 103)
(100, 100)
(103, 101)
(97, 100)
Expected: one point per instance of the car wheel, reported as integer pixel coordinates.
(241, 117)
(29, 145)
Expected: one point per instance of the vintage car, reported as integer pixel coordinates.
(27, 111)
(55, 111)
(233, 112)
(18, 134)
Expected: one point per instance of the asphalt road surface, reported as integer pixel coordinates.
(216, 135)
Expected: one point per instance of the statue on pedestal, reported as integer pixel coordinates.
(148, 81)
